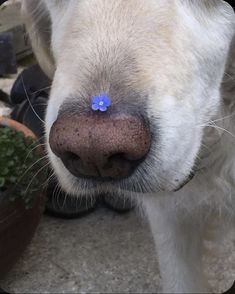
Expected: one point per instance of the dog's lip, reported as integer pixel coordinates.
(111, 187)
(189, 178)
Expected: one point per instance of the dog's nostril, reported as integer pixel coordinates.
(70, 156)
(118, 156)
(112, 160)
(121, 161)
(72, 162)
(122, 158)
(108, 148)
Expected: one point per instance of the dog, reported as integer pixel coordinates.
(136, 108)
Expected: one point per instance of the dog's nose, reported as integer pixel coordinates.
(100, 146)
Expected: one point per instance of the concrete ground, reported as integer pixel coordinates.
(103, 252)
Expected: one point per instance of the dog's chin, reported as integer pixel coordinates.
(137, 184)
(132, 186)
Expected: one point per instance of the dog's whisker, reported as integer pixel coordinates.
(219, 129)
(206, 147)
(36, 141)
(42, 89)
(50, 177)
(31, 181)
(34, 164)
(230, 77)
(30, 103)
(36, 147)
(65, 200)
(223, 118)
(54, 195)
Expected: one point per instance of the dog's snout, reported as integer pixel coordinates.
(100, 146)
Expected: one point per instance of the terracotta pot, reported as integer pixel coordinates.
(17, 224)
(7, 122)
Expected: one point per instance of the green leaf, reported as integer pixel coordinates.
(4, 171)
(2, 182)
(17, 165)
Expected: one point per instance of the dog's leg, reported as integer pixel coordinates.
(179, 245)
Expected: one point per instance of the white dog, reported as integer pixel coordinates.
(167, 139)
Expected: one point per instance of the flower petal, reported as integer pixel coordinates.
(103, 108)
(107, 100)
(95, 107)
(96, 99)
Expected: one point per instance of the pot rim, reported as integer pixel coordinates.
(12, 124)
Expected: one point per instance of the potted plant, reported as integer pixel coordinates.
(22, 175)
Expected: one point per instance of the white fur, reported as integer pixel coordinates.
(180, 48)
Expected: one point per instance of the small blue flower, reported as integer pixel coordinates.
(101, 103)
